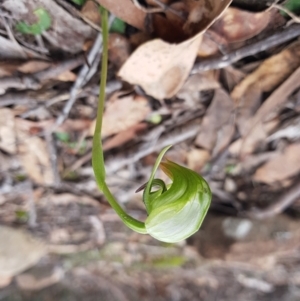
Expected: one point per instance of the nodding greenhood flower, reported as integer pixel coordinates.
(176, 211)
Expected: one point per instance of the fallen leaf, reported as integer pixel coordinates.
(8, 67)
(264, 122)
(56, 35)
(121, 113)
(19, 252)
(124, 136)
(281, 167)
(67, 76)
(39, 278)
(7, 131)
(166, 66)
(160, 68)
(269, 75)
(196, 83)
(33, 66)
(209, 46)
(91, 11)
(126, 11)
(217, 126)
(34, 156)
(118, 49)
(239, 25)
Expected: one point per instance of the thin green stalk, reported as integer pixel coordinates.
(97, 152)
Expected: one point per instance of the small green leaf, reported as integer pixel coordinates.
(22, 215)
(169, 262)
(118, 26)
(155, 118)
(230, 168)
(20, 177)
(293, 6)
(79, 2)
(44, 23)
(62, 136)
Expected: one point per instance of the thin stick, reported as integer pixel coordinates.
(279, 206)
(276, 39)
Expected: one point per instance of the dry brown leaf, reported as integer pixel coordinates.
(207, 80)
(91, 11)
(127, 11)
(22, 251)
(33, 66)
(8, 67)
(270, 73)
(121, 113)
(217, 127)
(161, 68)
(118, 49)
(281, 167)
(197, 158)
(7, 131)
(34, 156)
(40, 279)
(195, 83)
(273, 71)
(209, 47)
(264, 122)
(124, 136)
(239, 25)
(202, 13)
(67, 76)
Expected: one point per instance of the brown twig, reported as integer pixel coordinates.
(279, 206)
(294, 17)
(276, 39)
(34, 81)
(84, 75)
(77, 13)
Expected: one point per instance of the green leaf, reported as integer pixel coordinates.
(62, 136)
(79, 2)
(118, 26)
(22, 215)
(293, 6)
(44, 23)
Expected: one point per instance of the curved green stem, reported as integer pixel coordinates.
(97, 152)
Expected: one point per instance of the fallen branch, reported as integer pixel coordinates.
(279, 206)
(276, 39)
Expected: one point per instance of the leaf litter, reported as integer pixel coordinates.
(238, 126)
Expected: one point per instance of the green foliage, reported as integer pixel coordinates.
(155, 118)
(62, 136)
(66, 139)
(293, 6)
(78, 2)
(22, 216)
(44, 23)
(118, 26)
(169, 262)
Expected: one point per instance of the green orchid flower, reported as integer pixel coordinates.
(175, 211)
